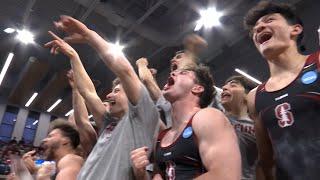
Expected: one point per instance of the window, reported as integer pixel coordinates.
(31, 126)
(7, 124)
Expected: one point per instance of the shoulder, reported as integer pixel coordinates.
(209, 118)
(251, 98)
(70, 160)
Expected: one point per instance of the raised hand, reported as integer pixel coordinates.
(59, 45)
(28, 159)
(70, 78)
(139, 158)
(194, 44)
(76, 30)
(142, 61)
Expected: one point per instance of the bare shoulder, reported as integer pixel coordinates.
(70, 160)
(208, 118)
(251, 98)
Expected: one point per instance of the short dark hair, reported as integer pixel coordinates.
(245, 83)
(267, 7)
(67, 130)
(205, 79)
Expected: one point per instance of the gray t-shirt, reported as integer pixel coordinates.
(110, 157)
(247, 142)
(165, 106)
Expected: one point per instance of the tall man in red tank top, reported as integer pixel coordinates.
(285, 107)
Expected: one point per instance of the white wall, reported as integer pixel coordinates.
(42, 130)
(2, 110)
(20, 124)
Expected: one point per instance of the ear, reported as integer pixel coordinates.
(296, 30)
(197, 89)
(64, 141)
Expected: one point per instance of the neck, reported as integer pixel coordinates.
(182, 110)
(61, 152)
(239, 111)
(288, 60)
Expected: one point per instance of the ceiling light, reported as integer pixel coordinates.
(248, 76)
(34, 123)
(69, 112)
(9, 30)
(54, 105)
(25, 36)
(31, 99)
(117, 48)
(6, 66)
(209, 18)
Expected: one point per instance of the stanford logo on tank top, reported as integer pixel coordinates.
(285, 117)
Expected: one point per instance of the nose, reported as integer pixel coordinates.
(44, 141)
(108, 96)
(259, 27)
(225, 87)
(173, 73)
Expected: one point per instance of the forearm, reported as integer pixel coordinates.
(81, 78)
(87, 90)
(116, 62)
(150, 83)
(142, 176)
(88, 136)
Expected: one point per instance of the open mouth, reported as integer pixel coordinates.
(264, 37)
(225, 95)
(111, 101)
(174, 66)
(170, 81)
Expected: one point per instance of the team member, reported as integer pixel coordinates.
(286, 106)
(201, 142)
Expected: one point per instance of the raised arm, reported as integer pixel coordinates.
(146, 77)
(82, 79)
(218, 145)
(88, 135)
(114, 60)
(265, 166)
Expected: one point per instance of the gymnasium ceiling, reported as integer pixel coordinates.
(150, 28)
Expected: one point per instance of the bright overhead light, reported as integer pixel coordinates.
(117, 48)
(6, 66)
(54, 105)
(9, 30)
(248, 76)
(34, 123)
(90, 116)
(31, 99)
(209, 18)
(69, 112)
(25, 36)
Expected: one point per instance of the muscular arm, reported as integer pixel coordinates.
(87, 90)
(118, 64)
(88, 135)
(218, 145)
(265, 153)
(147, 79)
(69, 167)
